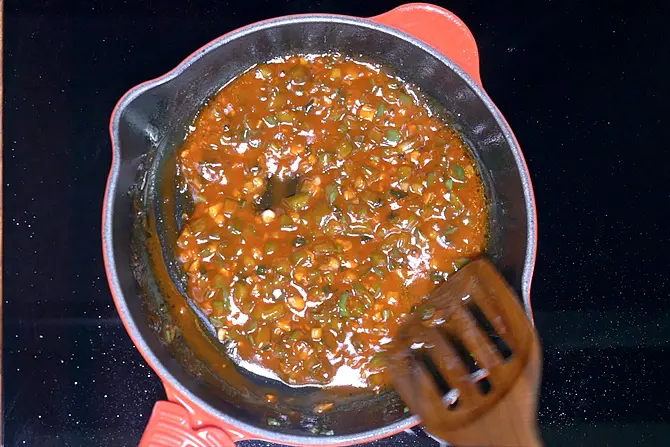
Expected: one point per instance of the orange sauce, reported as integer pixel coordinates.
(388, 204)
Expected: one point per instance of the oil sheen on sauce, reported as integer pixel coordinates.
(388, 204)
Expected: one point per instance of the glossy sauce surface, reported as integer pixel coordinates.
(388, 204)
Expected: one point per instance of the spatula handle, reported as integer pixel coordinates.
(513, 421)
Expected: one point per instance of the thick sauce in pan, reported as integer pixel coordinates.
(388, 204)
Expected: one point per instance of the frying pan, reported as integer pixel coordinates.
(210, 402)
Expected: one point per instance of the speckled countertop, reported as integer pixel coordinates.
(584, 87)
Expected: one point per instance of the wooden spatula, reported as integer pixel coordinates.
(468, 362)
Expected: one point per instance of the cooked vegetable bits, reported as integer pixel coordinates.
(388, 204)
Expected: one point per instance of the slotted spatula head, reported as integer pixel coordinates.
(464, 350)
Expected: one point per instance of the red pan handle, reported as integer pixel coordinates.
(177, 422)
(170, 426)
(440, 29)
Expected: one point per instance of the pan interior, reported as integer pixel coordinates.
(151, 127)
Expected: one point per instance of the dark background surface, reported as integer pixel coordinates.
(583, 84)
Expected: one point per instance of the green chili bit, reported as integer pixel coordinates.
(380, 110)
(331, 193)
(459, 173)
(344, 149)
(271, 121)
(449, 231)
(392, 135)
(406, 99)
(343, 304)
(170, 333)
(298, 202)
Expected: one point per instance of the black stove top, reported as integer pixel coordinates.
(584, 86)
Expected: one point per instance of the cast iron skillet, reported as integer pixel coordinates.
(211, 402)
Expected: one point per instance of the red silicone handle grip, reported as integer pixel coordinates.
(170, 425)
(440, 29)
